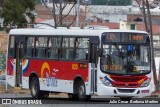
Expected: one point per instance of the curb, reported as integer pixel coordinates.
(155, 95)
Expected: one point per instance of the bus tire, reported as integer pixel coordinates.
(35, 89)
(82, 92)
(45, 94)
(73, 96)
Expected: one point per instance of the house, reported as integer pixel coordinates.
(134, 21)
(44, 13)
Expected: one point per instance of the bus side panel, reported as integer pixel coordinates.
(88, 84)
(55, 75)
(25, 82)
(11, 67)
(152, 83)
(57, 85)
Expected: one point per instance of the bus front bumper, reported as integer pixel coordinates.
(123, 92)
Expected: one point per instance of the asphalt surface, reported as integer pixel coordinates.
(63, 101)
(56, 101)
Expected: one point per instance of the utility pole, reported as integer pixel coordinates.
(77, 18)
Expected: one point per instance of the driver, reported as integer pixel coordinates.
(129, 60)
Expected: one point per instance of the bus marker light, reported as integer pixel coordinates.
(83, 65)
(101, 78)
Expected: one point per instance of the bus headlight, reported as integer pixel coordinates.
(146, 83)
(105, 82)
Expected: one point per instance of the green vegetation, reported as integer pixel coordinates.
(38, 1)
(17, 12)
(2, 62)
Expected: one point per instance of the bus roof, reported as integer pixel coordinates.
(74, 32)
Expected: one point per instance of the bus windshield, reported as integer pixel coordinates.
(125, 59)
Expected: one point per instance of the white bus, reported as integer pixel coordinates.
(80, 62)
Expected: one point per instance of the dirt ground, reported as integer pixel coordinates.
(26, 92)
(13, 90)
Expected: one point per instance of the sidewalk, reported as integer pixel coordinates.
(11, 89)
(14, 90)
(155, 94)
(19, 91)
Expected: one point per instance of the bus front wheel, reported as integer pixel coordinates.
(82, 92)
(35, 89)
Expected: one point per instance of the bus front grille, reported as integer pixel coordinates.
(127, 81)
(127, 78)
(126, 90)
(125, 84)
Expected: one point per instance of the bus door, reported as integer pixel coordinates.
(94, 44)
(19, 46)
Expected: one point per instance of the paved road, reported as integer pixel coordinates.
(65, 102)
(83, 105)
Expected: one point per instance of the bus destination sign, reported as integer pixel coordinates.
(124, 37)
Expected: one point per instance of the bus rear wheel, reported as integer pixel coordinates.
(82, 92)
(35, 89)
(73, 96)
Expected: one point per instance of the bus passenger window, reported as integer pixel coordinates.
(29, 52)
(40, 53)
(54, 53)
(41, 47)
(30, 47)
(82, 45)
(67, 48)
(54, 47)
(11, 46)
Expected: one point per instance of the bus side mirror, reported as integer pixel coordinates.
(100, 52)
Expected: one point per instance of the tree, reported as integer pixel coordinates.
(38, 1)
(58, 10)
(148, 25)
(17, 13)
